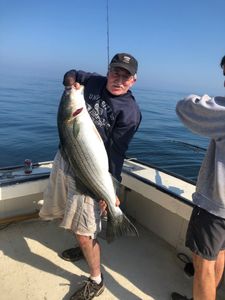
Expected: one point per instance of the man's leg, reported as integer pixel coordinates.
(205, 281)
(86, 225)
(220, 262)
(94, 286)
(207, 277)
(218, 267)
(75, 254)
(91, 250)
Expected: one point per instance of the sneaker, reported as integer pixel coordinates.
(176, 296)
(89, 290)
(72, 254)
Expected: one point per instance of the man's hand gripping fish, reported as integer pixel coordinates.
(83, 147)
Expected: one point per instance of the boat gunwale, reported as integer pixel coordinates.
(26, 178)
(155, 185)
(162, 189)
(38, 164)
(178, 176)
(34, 177)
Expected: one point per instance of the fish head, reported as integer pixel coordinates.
(72, 103)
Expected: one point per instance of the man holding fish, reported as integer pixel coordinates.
(81, 185)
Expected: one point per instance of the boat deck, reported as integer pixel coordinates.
(133, 268)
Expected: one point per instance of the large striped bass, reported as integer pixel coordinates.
(83, 148)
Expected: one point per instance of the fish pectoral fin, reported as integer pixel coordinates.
(76, 130)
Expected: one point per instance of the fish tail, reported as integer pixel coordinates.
(118, 227)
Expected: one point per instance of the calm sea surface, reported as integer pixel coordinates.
(28, 129)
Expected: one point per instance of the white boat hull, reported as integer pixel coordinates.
(151, 196)
(21, 193)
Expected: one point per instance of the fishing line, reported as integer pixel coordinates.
(188, 145)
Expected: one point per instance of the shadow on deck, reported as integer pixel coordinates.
(133, 268)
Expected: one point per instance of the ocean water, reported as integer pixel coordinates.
(28, 128)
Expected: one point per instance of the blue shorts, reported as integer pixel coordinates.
(205, 234)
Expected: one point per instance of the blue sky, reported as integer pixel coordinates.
(178, 43)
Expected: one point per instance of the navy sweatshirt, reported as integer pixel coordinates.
(116, 117)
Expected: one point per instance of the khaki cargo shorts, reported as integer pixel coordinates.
(79, 213)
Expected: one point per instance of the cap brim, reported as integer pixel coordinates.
(123, 66)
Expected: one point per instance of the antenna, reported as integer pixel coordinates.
(107, 21)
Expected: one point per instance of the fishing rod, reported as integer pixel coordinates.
(107, 26)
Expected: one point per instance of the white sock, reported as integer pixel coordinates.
(97, 279)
